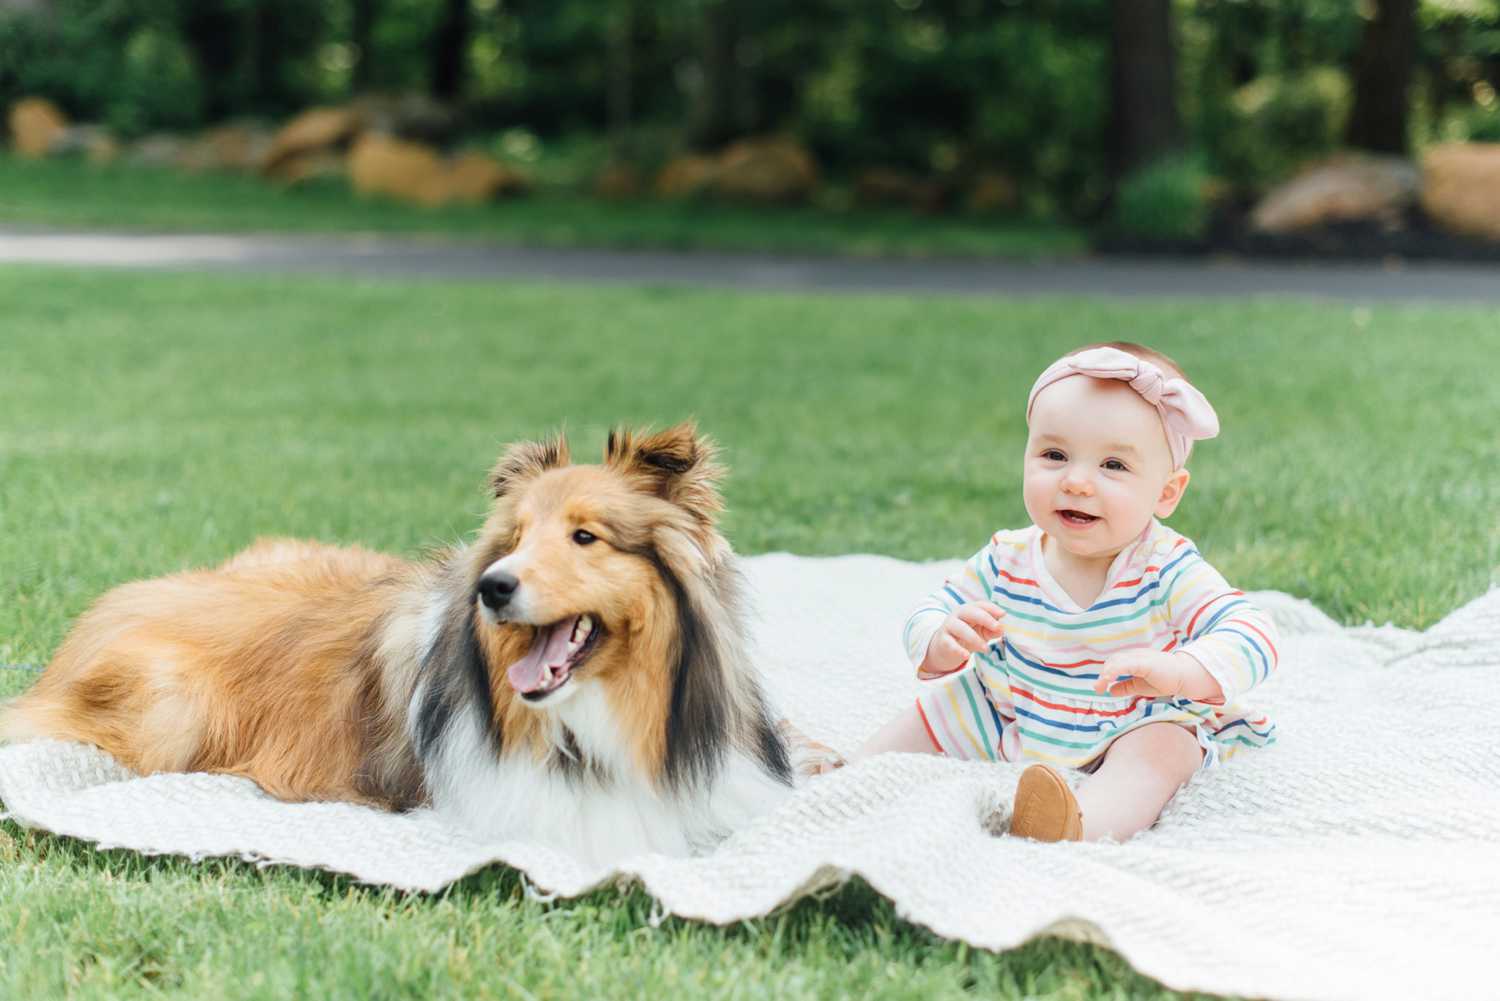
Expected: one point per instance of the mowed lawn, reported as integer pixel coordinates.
(80, 195)
(151, 423)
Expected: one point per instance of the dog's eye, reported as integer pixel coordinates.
(584, 538)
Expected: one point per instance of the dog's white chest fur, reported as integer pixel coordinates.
(600, 808)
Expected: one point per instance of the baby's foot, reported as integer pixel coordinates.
(1045, 809)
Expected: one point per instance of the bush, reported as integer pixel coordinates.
(1165, 200)
(1276, 123)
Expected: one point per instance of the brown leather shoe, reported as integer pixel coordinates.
(1045, 809)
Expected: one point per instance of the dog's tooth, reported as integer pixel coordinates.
(585, 625)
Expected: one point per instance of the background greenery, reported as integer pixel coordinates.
(158, 422)
(943, 88)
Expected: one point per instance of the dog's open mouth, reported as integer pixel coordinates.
(557, 650)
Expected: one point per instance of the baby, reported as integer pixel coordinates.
(1097, 638)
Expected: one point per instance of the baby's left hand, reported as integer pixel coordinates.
(1147, 672)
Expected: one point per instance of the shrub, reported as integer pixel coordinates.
(1274, 124)
(1165, 200)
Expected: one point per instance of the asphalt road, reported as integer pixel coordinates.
(415, 258)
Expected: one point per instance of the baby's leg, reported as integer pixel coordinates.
(1141, 771)
(905, 732)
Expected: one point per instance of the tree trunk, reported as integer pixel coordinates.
(1143, 93)
(362, 38)
(621, 79)
(450, 50)
(1382, 76)
(716, 118)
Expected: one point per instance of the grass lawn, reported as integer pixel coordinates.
(76, 194)
(157, 422)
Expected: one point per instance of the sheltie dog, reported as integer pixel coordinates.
(578, 675)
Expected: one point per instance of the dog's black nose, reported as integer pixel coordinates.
(495, 589)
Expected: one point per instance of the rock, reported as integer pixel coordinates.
(160, 149)
(1461, 188)
(618, 182)
(766, 169)
(687, 176)
(891, 186)
(993, 193)
(229, 147)
(1346, 189)
(314, 130)
(886, 186)
(417, 117)
(93, 142)
(35, 123)
(311, 167)
(474, 177)
(411, 172)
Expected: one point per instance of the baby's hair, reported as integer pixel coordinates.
(1140, 351)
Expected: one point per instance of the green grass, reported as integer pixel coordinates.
(157, 422)
(76, 194)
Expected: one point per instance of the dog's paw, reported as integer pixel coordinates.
(809, 757)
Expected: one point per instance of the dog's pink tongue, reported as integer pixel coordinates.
(548, 650)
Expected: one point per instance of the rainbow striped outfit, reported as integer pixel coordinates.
(1030, 694)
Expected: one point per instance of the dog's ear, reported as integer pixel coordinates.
(677, 464)
(527, 459)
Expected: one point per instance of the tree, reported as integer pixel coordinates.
(450, 49)
(1144, 123)
(362, 39)
(718, 115)
(1382, 77)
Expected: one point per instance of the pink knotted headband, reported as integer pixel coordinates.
(1186, 414)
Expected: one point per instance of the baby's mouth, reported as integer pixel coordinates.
(1076, 518)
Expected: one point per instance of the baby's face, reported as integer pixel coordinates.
(1097, 466)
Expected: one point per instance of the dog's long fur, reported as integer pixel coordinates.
(328, 673)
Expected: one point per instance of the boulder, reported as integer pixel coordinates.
(35, 123)
(408, 171)
(876, 186)
(313, 131)
(687, 176)
(229, 147)
(1461, 188)
(474, 177)
(92, 142)
(417, 117)
(160, 149)
(311, 167)
(767, 169)
(618, 182)
(1347, 189)
(993, 193)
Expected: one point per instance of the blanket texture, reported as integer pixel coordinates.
(1357, 858)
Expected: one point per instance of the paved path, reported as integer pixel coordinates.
(396, 257)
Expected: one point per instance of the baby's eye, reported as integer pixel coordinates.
(1116, 466)
(1054, 455)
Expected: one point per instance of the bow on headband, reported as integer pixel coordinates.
(1186, 414)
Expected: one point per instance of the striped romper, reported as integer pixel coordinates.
(1030, 695)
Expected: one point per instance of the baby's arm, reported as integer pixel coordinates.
(1225, 647)
(955, 621)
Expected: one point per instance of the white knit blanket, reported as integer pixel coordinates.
(1358, 858)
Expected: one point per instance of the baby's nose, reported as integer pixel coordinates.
(1075, 483)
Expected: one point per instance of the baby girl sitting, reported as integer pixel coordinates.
(1097, 638)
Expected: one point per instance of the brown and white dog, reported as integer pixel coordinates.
(577, 675)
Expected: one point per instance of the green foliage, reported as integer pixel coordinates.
(1275, 123)
(1165, 200)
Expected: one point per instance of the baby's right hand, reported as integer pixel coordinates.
(966, 631)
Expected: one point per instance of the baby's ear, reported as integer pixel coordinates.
(1171, 493)
(526, 460)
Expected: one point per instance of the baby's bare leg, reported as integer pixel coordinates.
(1141, 771)
(905, 732)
